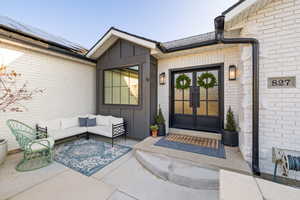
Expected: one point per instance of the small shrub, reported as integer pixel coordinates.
(231, 124)
(159, 119)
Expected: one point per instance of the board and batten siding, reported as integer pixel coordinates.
(70, 87)
(139, 117)
(227, 56)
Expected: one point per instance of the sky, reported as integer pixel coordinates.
(85, 21)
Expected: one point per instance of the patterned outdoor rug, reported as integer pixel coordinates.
(88, 156)
(206, 146)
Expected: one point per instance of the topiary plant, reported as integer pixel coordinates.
(159, 119)
(230, 125)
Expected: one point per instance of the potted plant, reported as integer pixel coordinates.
(230, 135)
(154, 129)
(160, 121)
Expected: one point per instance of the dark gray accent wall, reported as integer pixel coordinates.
(124, 53)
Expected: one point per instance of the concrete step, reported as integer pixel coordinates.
(195, 133)
(180, 172)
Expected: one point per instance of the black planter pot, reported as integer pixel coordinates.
(162, 130)
(230, 138)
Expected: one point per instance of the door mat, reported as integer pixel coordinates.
(193, 144)
(199, 141)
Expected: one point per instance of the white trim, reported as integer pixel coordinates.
(234, 12)
(112, 36)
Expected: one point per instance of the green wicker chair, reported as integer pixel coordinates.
(38, 153)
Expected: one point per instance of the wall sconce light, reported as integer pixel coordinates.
(232, 72)
(162, 78)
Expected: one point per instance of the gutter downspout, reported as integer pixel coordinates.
(219, 31)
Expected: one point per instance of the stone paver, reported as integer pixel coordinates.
(275, 191)
(13, 182)
(235, 186)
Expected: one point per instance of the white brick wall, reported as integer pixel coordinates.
(69, 87)
(277, 26)
(228, 56)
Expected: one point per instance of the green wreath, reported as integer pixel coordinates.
(206, 84)
(183, 82)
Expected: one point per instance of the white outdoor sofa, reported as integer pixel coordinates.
(107, 126)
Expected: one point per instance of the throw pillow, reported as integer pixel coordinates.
(82, 121)
(91, 122)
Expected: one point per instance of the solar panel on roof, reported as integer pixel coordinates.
(35, 32)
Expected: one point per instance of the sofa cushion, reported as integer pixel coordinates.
(100, 130)
(51, 124)
(68, 132)
(116, 120)
(69, 122)
(91, 122)
(103, 120)
(82, 121)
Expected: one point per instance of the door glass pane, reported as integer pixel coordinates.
(215, 73)
(187, 109)
(213, 108)
(178, 107)
(202, 93)
(213, 93)
(178, 94)
(202, 109)
(186, 94)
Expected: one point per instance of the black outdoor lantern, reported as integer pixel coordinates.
(232, 72)
(162, 78)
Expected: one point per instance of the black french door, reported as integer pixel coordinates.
(196, 107)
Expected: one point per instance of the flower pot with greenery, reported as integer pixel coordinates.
(230, 135)
(160, 121)
(154, 129)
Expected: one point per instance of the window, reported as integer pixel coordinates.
(121, 86)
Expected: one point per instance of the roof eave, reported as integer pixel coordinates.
(112, 35)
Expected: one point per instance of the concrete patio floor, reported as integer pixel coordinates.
(233, 162)
(124, 179)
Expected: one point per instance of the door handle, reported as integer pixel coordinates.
(197, 96)
(191, 97)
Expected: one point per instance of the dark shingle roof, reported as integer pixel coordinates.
(35, 33)
(189, 40)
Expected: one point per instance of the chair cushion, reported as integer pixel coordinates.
(103, 120)
(91, 122)
(116, 120)
(82, 121)
(39, 147)
(100, 130)
(69, 122)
